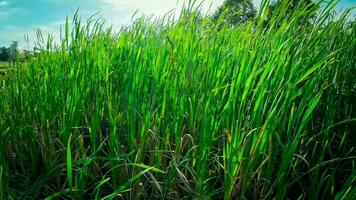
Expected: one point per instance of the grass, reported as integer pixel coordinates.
(173, 109)
(3, 65)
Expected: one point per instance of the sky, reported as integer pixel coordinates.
(22, 17)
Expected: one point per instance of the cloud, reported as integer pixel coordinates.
(158, 7)
(15, 33)
(114, 12)
(161, 7)
(4, 3)
(58, 23)
(11, 11)
(18, 33)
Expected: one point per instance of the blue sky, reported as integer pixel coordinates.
(22, 17)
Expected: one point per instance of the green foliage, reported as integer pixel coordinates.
(4, 54)
(178, 109)
(235, 12)
(286, 8)
(292, 4)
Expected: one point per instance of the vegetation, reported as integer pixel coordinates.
(4, 54)
(293, 4)
(234, 12)
(3, 64)
(181, 109)
(309, 10)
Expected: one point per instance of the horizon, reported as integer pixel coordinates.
(21, 19)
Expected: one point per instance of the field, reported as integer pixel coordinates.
(185, 109)
(3, 65)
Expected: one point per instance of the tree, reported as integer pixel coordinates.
(291, 6)
(236, 11)
(4, 54)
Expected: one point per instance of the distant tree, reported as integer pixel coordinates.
(4, 54)
(238, 11)
(292, 5)
(27, 54)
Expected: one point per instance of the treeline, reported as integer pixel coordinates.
(4, 54)
(235, 12)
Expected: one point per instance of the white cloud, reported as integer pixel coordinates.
(161, 7)
(114, 12)
(10, 11)
(158, 7)
(4, 3)
(17, 33)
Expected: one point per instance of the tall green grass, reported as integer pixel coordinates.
(184, 109)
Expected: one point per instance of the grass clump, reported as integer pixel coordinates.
(184, 108)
